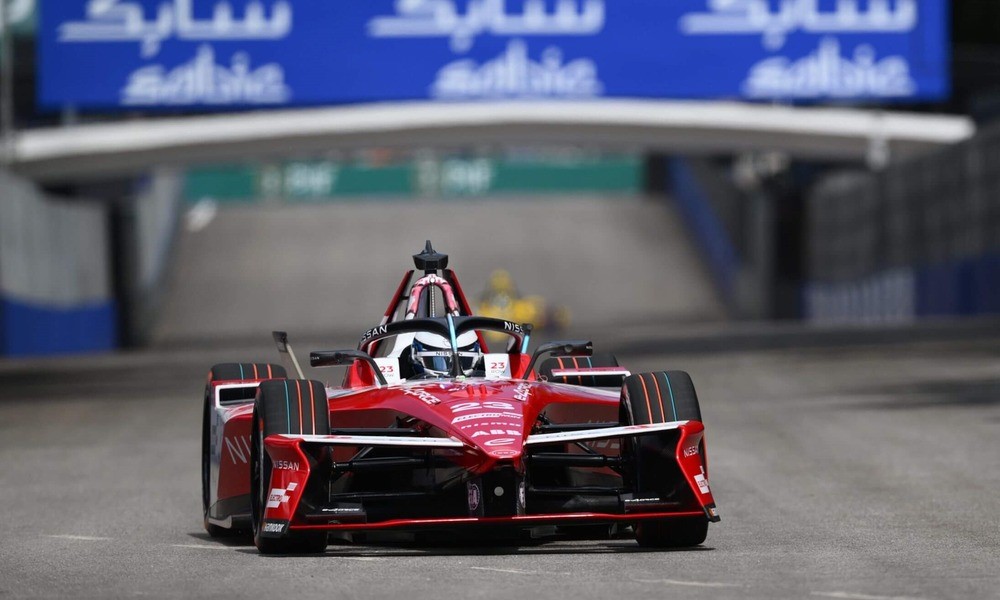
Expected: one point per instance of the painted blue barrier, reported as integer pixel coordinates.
(55, 281)
(33, 330)
(959, 288)
(692, 201)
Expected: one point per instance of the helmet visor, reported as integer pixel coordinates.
(439, 361)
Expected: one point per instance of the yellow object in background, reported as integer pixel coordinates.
(502, 300)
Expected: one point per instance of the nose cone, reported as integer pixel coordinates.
(484, 416)
(506, 447)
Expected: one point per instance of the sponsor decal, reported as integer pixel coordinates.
(480, 425)
(344, 513)
(503, 453)
(516, 74)
(521, 494)
(481, 416)
(274, 527)
(487, 432)
(830, 72)
(521, 392)
(513, 327)
(497, 366)
(702, 482)
(746, 17)
(645, 504)
(279, 496)
(389, 367)
(286, 465)
(380, 330)
(491, 405)
(475, 497)
(445, 19)
(238, 448)
(424, 396)
(500, 442)
(653, 500)
(606, 444)
(203, 80)
(691, 451)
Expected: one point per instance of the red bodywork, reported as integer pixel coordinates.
(492, 424)
(493, 420)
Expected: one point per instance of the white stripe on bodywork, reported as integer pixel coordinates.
(597, 434)
(377, 440)
(591, 372)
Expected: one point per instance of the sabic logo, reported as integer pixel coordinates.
(828, 72)
(515, 74)
(204, 81)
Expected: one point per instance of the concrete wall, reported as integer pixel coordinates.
(147, 228)
(55, 282)
(733, 230)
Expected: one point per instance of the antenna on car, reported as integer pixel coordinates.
(430, 261)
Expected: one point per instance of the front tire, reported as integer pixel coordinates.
(283, 407)
(659, 397)
(682, 532)
(224, 372)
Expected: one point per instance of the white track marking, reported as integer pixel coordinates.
(79, 538)
(201, 214)
(515, 571)
(853, 596)
(708, 584)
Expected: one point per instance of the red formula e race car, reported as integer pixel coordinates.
(433, 434)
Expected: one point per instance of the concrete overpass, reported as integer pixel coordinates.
(121, 148)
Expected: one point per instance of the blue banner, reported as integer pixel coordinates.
(103, 54)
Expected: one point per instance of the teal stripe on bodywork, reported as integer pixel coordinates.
(241, 371)
(451, 331)
(671, 390)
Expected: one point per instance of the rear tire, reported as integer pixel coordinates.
(660, 397)
(277, 411)
(224, 372)
(246, 372)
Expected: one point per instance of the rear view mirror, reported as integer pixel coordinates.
(564, 348)
(340, 358)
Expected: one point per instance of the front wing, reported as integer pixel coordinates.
(303, 475)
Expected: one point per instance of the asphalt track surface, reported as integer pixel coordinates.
(853, 471)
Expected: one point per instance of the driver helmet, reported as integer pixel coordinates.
(432, 353)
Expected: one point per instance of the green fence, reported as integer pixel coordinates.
(323, 180)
